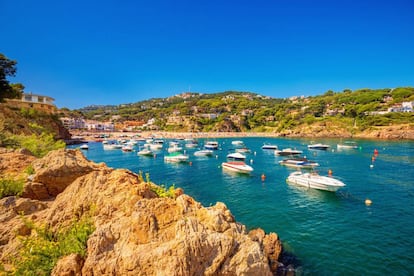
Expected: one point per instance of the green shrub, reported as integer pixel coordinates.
(11, 187)
(162, 191)
(40, 252)
(39, 145)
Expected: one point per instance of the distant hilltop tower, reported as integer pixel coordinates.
(34, 101)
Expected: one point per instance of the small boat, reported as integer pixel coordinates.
(287, 151)
(237, 143)
(319, 146)
(237, 166)
(269, 147)
(84, 147)
(176, 157)
(127, 148)
(191, 144)
(347, 145)
(236, 156)
(145, 152)
(243, 150)
(111, 146)
(315, 181)
(301, 163)
(213, 145)
(175, 148)
(203, 153)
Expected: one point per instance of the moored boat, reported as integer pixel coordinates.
(319, 146)
(301, 163)
(269, 147)
(236, 156)
(213, 145)
(315, 181)
(237, 143)
(287, 151)
(176, 157)
(84, 147)
(347, 145)
(237, 166)
(205, 152)
(145, 152)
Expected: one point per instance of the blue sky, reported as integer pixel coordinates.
(113, 52)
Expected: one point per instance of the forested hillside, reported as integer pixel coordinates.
(350, 111)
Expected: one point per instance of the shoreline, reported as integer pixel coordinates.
(390, 133)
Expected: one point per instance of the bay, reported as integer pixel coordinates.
(328, 233)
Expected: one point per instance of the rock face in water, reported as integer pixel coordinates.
(136, 232)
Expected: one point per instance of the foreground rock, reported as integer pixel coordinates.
(136, 232)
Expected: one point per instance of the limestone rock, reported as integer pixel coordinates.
(136, 232)
(13, 162)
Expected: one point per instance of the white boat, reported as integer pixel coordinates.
(176, 157)
(287, 151)
(213, 145)
(175, 148)
(301, 163)
(145, 152)
(269, 147)
(84, 147)
(243, 150)
(111, 146)
(347, 145)
(315, 181)
(127, 148)
(236, 156)
(237, 143)
(319, 146)
(191, 144)
(237, 166)
(203, 153)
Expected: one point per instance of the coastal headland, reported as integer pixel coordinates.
(134, 228)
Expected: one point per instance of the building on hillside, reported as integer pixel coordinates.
(99, 126)
(73, 123)
(34, 101)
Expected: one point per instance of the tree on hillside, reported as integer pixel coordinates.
(8, 68)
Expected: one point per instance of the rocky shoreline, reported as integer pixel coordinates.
(136, 231)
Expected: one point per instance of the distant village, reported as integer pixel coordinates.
(46, 104)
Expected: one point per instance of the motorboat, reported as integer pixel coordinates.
(347, 145)
(319, 146)
(237, 166)
(236, 156)
(127, 148)
(301, 163)
(176, 157)
(84, 147)
(269, 147)
(287, 151)
(212, 145)
(191, 144)
(174, 148)
(145, 152)
(237, 143)
(315, 181)
(243, 150)
(205, 152)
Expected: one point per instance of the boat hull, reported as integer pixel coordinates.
(239, 167)
(315, 181)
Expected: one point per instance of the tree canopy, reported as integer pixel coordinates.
(8, 69)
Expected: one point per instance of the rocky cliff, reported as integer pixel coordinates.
(136, 231)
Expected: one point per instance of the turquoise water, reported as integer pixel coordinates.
(329, 233)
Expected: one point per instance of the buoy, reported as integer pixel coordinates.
(375, 152)
(371, 166)
(254, 153)
(368, 202)
(330, 172)
(373, 159)
(263, 177)
(251, 161)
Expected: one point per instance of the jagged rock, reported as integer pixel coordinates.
(13, 162)
(70, 265)
(138, 233)
(55, 172)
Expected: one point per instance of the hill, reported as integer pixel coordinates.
(364, 112)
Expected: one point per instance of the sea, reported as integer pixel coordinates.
(323, 233)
